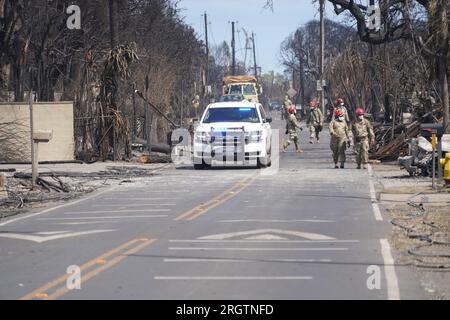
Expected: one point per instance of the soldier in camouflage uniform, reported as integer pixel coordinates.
(340, 138)
(362, 134)
(196, 104)
(315, 121)
(291, 130)
(287, 103)
(341, 106)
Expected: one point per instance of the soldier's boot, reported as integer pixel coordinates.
(359, 166)
(311, 141)
(336, 165)
(342, 165)
(364, 166)
(297, 147)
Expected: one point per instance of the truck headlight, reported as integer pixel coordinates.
(253, 136)
(202, 137)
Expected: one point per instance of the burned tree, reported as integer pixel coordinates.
(396, 24)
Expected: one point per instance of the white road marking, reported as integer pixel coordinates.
(265, 241)
(118, 211)
(274, 221)
(369, 169)
(307, 235)
(83, 223)
(233, 278)
(140, 199)
(254, 249)
(242, 260)
(40, 239)
(50, 233)
(105, 217)
(375, 207)
(57, 207)
(389, 270)
(135, 205)
(265, 237)
(170, 190)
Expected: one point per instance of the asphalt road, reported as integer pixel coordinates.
(304, 231)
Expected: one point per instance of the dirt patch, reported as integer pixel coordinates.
(421, 227)
(421, 237)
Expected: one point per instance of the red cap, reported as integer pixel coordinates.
(292, 109)
(360, 112)
(338, 113)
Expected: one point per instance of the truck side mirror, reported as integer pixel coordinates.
(260, 89)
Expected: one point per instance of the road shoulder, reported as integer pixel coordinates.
(420, 226)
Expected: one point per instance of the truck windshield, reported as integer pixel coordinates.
(231, 115)
(246, 89)
(235, 89)
(249, 90)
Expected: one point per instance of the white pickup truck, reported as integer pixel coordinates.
(233, 133)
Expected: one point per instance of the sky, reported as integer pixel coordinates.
(271, 28)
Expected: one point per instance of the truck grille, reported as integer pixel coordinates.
(228, 146)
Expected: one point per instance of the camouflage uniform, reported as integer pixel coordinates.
(291, 127)
(339, 139)
(285, 110)
(196, 104)
(344, 109)
(315, 122)
(362, 134)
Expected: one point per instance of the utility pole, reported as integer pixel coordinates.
(272, 74)
(254, 55)
(233, 49)
(322, 53)
(302, 81)
(182, 104)
(134, 111)
(207, 52)
(302, 69)
(148, 117)
(34, 151)
(375, 106)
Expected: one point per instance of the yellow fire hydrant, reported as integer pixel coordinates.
(445, 163)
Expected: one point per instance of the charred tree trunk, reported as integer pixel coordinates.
(439, 29)
(373, 97)
(443, 81)
(112, 24)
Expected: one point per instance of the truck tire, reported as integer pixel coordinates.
(266, 161)
(200, 166)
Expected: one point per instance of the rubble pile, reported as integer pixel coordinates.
(61, 186)
(391, 145)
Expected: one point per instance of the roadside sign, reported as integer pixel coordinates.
(291, 93)
(319, 86)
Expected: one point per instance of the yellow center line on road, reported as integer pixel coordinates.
(57, 288)
(217, 200)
